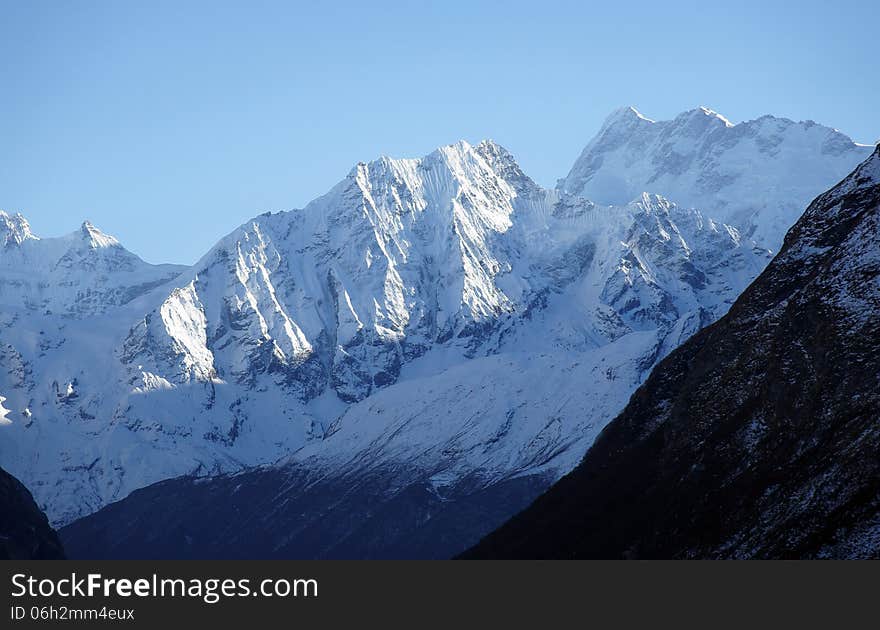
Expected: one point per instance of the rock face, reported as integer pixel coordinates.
(758, 438)
(25, 533)
(758, 175)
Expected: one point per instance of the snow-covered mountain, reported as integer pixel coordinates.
(406, 255)
(758, 175)
(444, 324)
(81, 274)
(599, 294)
(406, 273)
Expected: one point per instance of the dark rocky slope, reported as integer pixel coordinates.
(760, 437)
(288, 512)
(25, 533)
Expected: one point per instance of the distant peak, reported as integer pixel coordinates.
(95, 238)
(17, 217)
(703, 111)
(461, 147)
(14, 229)
(480, 164)
(493, 152)
(624, 114)
(632, 111)
(502, 162)
(490, 145)
(386, 164)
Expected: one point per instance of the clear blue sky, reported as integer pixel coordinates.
(169, 125)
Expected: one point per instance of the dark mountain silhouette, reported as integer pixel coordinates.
(25, 533)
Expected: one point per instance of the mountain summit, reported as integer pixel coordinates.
(757, 175)
(77, 275)
(14, 229)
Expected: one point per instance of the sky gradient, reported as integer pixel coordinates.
(168, 126)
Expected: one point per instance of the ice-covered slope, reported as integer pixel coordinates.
(758, 175)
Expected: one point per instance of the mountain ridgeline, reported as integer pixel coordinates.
(757, 438)
(400, 366)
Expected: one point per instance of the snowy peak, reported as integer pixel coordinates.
(88, 249)
(757, 175)
(82, 273)
(399, 256)
(702, 117)
(620, 125)
(502, 162)
(625, 116)
(95, 238)
(14, 229)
